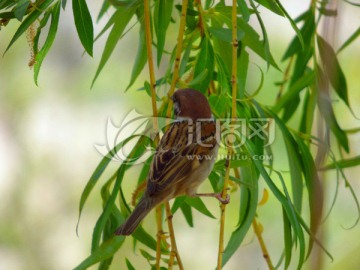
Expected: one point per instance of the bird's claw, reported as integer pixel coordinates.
(221, 199)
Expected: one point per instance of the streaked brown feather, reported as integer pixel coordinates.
(171, 164)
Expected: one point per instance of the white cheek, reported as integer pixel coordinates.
(176, 108)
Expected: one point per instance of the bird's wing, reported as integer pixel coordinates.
(177, 155)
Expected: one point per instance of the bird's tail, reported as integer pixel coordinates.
(141, 210)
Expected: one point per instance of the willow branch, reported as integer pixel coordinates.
(201, 16)
(285, 78)
(150, 63)
(233, 115)
(179, 44)
(174, 253)
(258, 232)
(155, 121)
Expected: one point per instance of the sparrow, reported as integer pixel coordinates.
(184, 157)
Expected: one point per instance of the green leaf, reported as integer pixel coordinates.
(186, 210)
(147, 255)
(307, 31)
(141, 57)
(43, 22)
(252, 40)
(104, 8)
(223, 77)
(247, 210)
(327, 112)
(305, 81)
(189, 11)
(97, 173)
(287, 239)
(84, 25)
(106, 250)
(344, 163)
(110, 204)
(185, 57)
(199, 205)
(219, 104)
(221, 47)
(349, 40)
(100, 224)
(308, 115)
(145, 238)
(295, 223)
(33, 16)
(55, 15)
(271, 5)
(162, 17)
(225, 34)
(21, 8)
(243, 64)
(284, 200)
(177, 203)
(293, 24)
(129, 265)
(314, 188)
(204, 61)
(332, 69)
(198, 79)
(244, 9)
(63, 4)
(122, 18)
(265, 37)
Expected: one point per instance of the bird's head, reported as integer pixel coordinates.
(190, 103)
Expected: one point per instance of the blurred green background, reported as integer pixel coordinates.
(47, 154)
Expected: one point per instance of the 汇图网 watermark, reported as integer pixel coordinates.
(120, 140)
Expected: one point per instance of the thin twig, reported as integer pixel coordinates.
(159, 236)
(258, 233)
(174, 252)
(285, 78)
(150, 63)
(155, 121)
(175, 77)
(201, 16)
(233, 115)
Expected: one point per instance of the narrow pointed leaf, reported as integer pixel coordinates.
(141, 57)
(349, 40)
(84, 24)
(344, 163)
(332, 69)
(293, 24)
(106, 250)
(55, 15)
(247, 211)
(199, 205)
(162, 17)
(205, 61)
(123, 16)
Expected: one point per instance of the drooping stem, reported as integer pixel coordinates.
(159, 236)
(155, 121)
(233, 116)
(179, 44)
(150, 63)
(258, 233)
(174, 252)
(285, 78)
